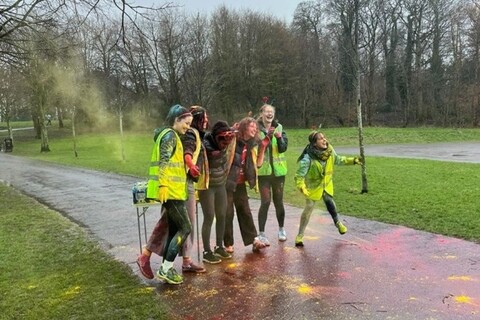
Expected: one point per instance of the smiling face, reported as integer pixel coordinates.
(321, 141)
(251, 131)
(268, 114)
(182, 124)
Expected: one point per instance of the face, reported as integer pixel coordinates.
(268, 114)
(224, 139)
(181, 125)
(251, 131)
(205, 122)
(321, 142)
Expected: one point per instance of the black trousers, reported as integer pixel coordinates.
(239, 200)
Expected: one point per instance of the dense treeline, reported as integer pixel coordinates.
(419, 62)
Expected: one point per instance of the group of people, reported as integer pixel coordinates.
(217, 166)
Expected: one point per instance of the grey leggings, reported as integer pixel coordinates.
(179, 227)
(214, 205)
(310, 204)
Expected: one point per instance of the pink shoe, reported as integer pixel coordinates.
(229, 249)
(192, 267)
(143, 263)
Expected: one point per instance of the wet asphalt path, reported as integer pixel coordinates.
(375, 271)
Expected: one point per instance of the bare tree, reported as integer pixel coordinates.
(198, 77)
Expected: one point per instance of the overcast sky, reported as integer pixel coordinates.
(283, 9)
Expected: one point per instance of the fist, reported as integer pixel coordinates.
(357, 161)
(194, 171)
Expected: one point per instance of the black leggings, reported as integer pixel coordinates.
(179, 227)
(271, 187)
(214, 205)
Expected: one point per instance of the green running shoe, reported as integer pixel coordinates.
(299, 240)
(171, 276)
(341, 228)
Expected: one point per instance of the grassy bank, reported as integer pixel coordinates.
(50, 269)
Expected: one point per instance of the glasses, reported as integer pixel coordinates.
(225, 136)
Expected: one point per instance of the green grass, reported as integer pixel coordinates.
(16, 124)
(50, 269)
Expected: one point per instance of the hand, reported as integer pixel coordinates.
(357, 161)
(305, 192)
(278, 131)
(192, 168)
(194, 171)
(270, 132)
(163, 194)
(265, 142)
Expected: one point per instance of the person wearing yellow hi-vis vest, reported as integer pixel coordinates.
(167, 183)
(271, 175)
(314, 178)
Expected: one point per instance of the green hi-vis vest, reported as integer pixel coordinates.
(173, 175)
(278, 160)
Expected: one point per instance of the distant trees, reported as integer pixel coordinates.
(418, 62)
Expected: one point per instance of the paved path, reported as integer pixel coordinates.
(375, 271)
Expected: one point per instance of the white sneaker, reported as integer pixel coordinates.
(263, 239)
(282, 235)
(257, 244)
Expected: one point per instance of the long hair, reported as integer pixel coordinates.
(243, 127)
(198, 120)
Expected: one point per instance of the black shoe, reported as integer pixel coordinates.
(221, 253)
(209, 257)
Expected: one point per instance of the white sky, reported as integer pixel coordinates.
(283, 9)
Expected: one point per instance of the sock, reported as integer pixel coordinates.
(146, 252)
(186, 260)
(166, 265)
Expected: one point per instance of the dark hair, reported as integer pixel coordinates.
(219, 127)
(176, 111)
(198, 114)
(312, 137)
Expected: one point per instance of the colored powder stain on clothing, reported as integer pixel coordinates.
(305, 289)
(179, 240)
